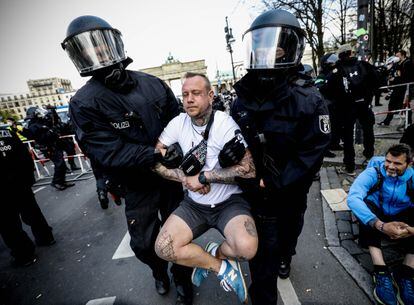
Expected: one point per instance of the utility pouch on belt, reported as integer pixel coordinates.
(195, 159)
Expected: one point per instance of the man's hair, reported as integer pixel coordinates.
(403, 53)
(206, 80)
(397, 150)
(10, 119)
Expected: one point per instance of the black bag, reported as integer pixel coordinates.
(355, 81)
(195, 159)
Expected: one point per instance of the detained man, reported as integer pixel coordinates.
(213, 199)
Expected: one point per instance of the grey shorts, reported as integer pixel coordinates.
(200, 217)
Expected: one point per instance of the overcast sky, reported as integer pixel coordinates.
(31, 32)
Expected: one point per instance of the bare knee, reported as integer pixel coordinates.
(164, 247)
(245, 248)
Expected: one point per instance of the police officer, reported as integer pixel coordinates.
(63, 129)
(118, 116)
(40, 129)
(18, 201)
(355, 83)
(327, 65)
(286, 125)
(17, 128)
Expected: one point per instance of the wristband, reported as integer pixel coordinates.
(382, 227)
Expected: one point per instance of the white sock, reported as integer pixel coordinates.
(222, 268)
(214, 251)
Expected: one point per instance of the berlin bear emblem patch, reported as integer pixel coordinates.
(324, 124)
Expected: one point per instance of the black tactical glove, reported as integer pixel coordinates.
(173, 156)
(233, 151)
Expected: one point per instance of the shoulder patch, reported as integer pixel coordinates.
(325, 124)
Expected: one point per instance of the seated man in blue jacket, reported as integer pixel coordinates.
(382, 199)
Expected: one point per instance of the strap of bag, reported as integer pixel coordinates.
(209, 124)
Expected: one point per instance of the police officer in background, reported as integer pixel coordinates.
(354, 83)
(286, 124)
(18, 201)
(118, 115)
(40, 129)
(327, 65)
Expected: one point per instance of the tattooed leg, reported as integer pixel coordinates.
(174, 243)
(164, 247)
(241, 239)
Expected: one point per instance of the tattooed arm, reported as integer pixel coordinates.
(174, 174)
(245, 169)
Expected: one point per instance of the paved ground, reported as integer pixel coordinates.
(91, 263)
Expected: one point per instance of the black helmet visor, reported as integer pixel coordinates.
(95, 49)
(272, 47)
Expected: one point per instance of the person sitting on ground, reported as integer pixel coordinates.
(213, 199)
(381, 197)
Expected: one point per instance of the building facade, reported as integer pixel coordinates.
(49, 91)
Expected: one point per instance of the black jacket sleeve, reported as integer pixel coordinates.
(103, 144)
(314, 139)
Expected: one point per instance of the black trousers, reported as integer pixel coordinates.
(68, 146)
(363, 113)
(56, 156)
(142, 207)
(335, 115)
(100, 176)
(279, 217)
(19, 204)
(396, 102)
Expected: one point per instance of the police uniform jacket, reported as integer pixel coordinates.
(43, 134)
(119, 131)
(287, 129)
(15, 161)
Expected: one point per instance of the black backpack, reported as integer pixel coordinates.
(355, 79)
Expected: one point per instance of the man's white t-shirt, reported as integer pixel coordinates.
(182, 130)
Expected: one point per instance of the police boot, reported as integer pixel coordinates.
(68, 184)
(58, 186)
(284, 268)
(103, 199)
(184, 293)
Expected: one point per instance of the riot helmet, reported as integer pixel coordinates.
(328, 62)
(307, 70)
(274, 41)
(36, 112)
(93, 44)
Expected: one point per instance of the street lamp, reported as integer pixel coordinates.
(229, 40)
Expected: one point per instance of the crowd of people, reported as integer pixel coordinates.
(242, 165)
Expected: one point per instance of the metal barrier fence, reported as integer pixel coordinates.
(40, 161)
(406, 102)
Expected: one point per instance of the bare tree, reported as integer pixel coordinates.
(314, 15)
(341, 15)
(393, 26)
